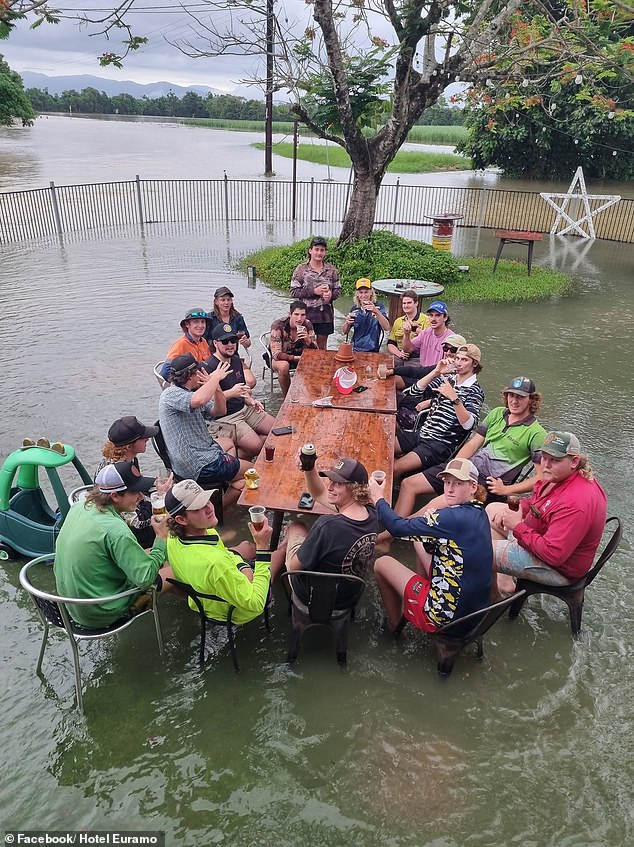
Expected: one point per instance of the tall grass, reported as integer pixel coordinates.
(417, 135)
(410, 162)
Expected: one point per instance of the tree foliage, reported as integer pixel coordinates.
(12, 11)
(543, 115)
(14, 103)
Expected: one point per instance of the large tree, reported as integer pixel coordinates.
(14, 102)
(381, 63)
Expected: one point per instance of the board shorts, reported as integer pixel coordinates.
(223, 468)
(326, 328)
(514, 560)
(414, 598)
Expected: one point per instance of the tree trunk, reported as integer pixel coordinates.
(359, 218)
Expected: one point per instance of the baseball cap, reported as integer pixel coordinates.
(180, 364)
(521, 385)
(364, 282)
(561, 444)
(126, 430)
(347, 470)
(463, 469)
(222, 332)
(186, 494)
(472, 351)
(345, 379)
(122, 476)
(438, 306)
(223, 291)
(318, 240)
(455, 340)
(192, 314)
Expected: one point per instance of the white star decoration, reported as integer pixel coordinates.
(577, 192)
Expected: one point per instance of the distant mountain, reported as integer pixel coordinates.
(58, 84)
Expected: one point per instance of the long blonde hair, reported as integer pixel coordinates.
(584, 468)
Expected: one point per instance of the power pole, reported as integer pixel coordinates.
(268, 125)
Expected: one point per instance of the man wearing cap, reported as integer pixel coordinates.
(127, 437)
(455, 409)
(192, 340)
(224, 312)
(556, 532)
(289, 338)
(453, 551)
(316, 283)
(244, 412)
(503, 443)
(97, 555)
(427, 345)
(344, 541)
(185, 407)
(367, 318)
(198, 556)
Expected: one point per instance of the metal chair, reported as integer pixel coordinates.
(157, 373)
(452, 638)
(197, 597)
(53, 612)
(323, 590)
(572, 594)
(266, 356)
(79, 493)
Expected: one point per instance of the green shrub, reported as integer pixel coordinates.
(381, 256)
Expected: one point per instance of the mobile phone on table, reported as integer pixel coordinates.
(360, 388)
(282, 430)
(306, 501)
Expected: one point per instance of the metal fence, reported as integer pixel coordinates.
(28, 215)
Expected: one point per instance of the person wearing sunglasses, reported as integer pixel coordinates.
(244, 413)
(508, 438)
(192, 341)
(554, 535)
(316, 283)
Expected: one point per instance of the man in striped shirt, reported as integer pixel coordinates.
(455, 409)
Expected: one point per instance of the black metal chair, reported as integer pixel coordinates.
(451, 639)
(197, 597)
(323, 591)
(158, 442)
(572, 594)
(53, 612)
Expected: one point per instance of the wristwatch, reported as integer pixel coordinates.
(456, 401)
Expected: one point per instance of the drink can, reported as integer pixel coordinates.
(252, 478)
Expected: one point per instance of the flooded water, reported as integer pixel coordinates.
(533, 746)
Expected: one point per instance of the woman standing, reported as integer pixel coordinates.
(316, 283)
(127, 437)
(223, 312)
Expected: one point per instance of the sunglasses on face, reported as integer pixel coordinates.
(447, 348)
(232, 340)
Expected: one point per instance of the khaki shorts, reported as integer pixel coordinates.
(238, 424)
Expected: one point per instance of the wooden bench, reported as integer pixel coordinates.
(516, 236)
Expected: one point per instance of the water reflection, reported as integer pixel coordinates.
(529, 746)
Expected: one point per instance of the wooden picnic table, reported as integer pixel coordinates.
(516, 236)
(312, 380)
(336, 433)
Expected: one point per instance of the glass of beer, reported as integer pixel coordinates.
(257, 515)
(381, 371)
(379, 476)
(158, 503)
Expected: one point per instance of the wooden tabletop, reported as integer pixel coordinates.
(336, 434)
(313, 380)
(517, 235)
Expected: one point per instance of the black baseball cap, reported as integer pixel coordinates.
(223, 332)
(223, 291)
(347, 470)
(183, 363)
(126, 430)
(318, 240)
(122, 476)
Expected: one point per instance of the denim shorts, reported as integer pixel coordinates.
(222, 469)
(514, 560)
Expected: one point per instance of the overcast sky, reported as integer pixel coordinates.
(66, 48)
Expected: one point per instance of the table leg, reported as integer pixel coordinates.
(499, 251)
(531, 244)
(278, 518)
(394, 308)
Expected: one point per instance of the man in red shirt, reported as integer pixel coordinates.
(556, 533)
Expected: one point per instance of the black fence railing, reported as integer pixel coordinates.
(28, 215)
